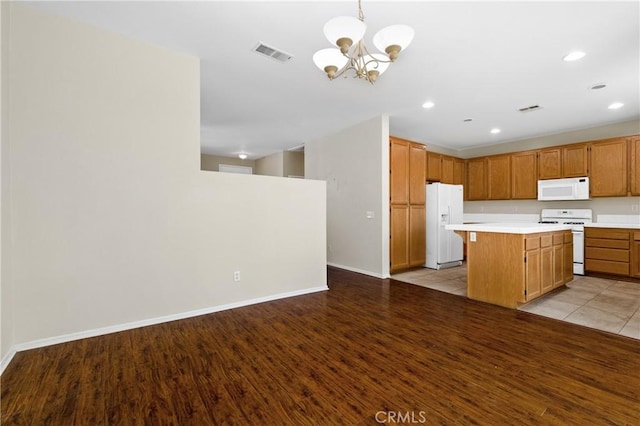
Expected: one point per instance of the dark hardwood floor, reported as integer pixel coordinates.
(368, 351)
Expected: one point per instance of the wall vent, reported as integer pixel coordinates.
(530, 108)
(272, 52)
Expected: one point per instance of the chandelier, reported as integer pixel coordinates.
(346, 32)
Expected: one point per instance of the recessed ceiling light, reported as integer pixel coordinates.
(598, 86)
(242, 156)
(428, 104)
(468, 120)
(495, 131)
(574, 56)
(616, 105)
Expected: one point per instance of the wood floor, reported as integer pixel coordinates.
(368, 351)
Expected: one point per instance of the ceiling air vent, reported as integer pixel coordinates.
(272, 53)
(530, 108)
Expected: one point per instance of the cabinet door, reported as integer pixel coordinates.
(458, 171)
(476, 179)
(546, 262)
(635, 254)
(608, 176)
(499, 177)
(634, 165)
(434, 165)
(399, 217)
(532, 274)
(446, 168)
(524, 175)
(399, 171)
(558, 265)
(567, 263)
(417, 161)
(417, 235)
(575, 160)
(550, 163)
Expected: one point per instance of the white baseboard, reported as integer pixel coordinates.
(151, 321)
(6, 360)
(359, 271)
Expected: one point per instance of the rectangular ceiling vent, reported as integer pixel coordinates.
(272, 53)
(530, 108)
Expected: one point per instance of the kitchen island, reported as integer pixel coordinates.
(509, 264)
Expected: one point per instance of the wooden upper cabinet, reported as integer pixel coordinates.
(399, 167)
(476, 179)
(550, 163)
(417, 165)
(499, 177)
(446, 169)
(575, 160)
(609, 168)
(434, 167)
(458, 171)
(524, 175)
(634, 165)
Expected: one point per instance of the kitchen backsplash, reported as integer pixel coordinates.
(619, 218)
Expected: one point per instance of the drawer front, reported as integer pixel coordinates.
(636, 236)
(610, 233)
(607, 267)
(607, 254)
(568, 238)
(531, 243)
(613, 244)
(546, 241)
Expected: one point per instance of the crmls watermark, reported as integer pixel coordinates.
(401, 417)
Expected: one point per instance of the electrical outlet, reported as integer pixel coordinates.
(236, 276)
(472, 236)
(635, 208)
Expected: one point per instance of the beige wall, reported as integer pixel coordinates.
(355, 165)
(271, 165)
(113, 223)
(294, 163)
(6, 293)
(212, 162)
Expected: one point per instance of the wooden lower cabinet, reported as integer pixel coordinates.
(408, 232)
(417, 235)
(635, 254)
(548, 263)
(399, 237)
(510, 269)
(608, 250)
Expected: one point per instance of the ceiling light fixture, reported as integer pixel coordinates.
(428, 105)
(495, 131)
(598, 86)
(616, 105)
(242, 156)
(346, 32)
(573, 56)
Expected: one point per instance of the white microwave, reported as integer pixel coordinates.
(563, 189)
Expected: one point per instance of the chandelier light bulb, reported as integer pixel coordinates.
(393, 39)
(344, 31)
(330, 61)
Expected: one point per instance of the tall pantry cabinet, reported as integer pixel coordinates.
(407, 177)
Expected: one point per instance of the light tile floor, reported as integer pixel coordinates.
(608, 305)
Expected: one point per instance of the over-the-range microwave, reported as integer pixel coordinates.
(563, 189)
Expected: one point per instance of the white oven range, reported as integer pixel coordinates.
(577, 218)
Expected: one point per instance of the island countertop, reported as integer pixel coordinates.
(508, 228)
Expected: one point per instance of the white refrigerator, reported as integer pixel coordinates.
(444, 206)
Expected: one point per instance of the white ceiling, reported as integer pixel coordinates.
(479, 60)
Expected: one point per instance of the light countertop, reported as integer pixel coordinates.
(613, 225)
(508, 228)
